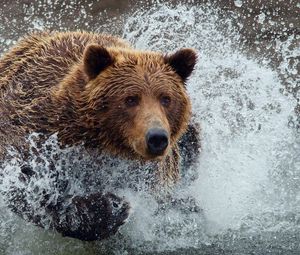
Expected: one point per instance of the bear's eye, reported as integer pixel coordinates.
(132, 101)
(165, 101)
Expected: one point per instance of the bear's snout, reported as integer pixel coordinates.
(157, 141)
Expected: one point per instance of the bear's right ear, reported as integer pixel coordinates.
(95, 59)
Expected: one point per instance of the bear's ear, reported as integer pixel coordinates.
(183, 62)
(95, 59)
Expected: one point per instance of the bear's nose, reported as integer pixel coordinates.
(157, 141)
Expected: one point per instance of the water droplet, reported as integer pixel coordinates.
(291, 124)
(238, 3)
(261, 18)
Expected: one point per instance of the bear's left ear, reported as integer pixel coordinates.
(183, 62)
(95, 59)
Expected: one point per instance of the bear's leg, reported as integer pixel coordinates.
(190, 145)
(92, 217)
(89, 217)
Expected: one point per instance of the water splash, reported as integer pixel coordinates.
(248, 172)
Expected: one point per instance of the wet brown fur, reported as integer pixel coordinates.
(50, 84)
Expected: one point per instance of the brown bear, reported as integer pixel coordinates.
(97, 91)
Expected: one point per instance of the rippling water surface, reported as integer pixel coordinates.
(247, 178)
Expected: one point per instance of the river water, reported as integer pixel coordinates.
(243, 196)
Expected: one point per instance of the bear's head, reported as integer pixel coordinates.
(136, 101)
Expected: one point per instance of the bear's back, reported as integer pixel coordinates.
(41, 60)
(30, 69)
